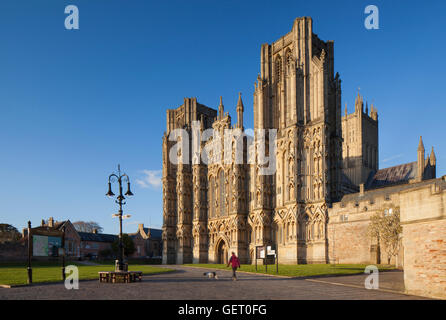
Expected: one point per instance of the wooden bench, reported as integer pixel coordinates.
(120, 276)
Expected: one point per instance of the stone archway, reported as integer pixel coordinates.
(221, 252)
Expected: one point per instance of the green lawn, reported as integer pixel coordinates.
(16, 274)
(301, 270)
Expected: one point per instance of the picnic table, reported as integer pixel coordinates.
(120, 276)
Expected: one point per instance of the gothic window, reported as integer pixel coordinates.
(289, 60)
(230, 190)
(222, 192)
(278, 68)
(211, 198)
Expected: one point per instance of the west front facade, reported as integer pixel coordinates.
(325, 164)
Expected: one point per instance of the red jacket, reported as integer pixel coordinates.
(234, 261)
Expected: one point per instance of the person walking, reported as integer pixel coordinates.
(235, 263)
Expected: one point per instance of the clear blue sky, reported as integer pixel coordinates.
(76, 103)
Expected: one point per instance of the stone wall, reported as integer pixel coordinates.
(424, 239)
(348, 224)
(13, 251)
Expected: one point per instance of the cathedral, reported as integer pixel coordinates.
(326, 161)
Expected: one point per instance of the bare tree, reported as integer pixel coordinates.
(386, 228)
(87, 226)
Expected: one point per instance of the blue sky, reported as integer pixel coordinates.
(76, 103)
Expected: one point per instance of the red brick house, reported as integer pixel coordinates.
(93, 243)
(148, 242)
(72, 238)
(81, 244)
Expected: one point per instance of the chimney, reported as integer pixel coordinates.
(361, 188)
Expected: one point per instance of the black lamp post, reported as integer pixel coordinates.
(119, 200)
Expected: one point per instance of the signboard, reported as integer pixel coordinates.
(260, 252)
(270, 251)
(46, 246)
(40, 246)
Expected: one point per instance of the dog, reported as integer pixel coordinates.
(211, 275)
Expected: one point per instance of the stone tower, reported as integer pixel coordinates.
(360, 142)
(182, 180)
(298, 93)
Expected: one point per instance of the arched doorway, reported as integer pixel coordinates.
(222, 252)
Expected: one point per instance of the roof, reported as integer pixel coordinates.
(97, 237)
(347, 185)
(59, 224)
(392, 189)
(148, 233)
(154, 233)
(392, 176)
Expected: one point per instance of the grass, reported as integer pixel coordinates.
(300, 270)
(16, 273)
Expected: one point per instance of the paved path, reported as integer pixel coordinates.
(189, 283)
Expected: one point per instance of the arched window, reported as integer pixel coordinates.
(278, 68)
(211, 197)
(222, 193)
(289, 59)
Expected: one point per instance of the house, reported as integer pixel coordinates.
(72, 238)
(93, 243)
(81, 244)
(148, 242)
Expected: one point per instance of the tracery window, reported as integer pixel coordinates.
(222, 192)
(278, 68)
(211, 197)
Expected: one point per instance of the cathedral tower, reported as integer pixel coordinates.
(360, 144)
(298, 94)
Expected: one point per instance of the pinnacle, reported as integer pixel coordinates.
(420, 145)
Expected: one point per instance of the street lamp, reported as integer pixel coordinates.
(120, 178)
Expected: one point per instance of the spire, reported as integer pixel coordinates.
(221, 108)
(358, 103)
(373, 113)
(433, 159)
(420, 145)
(420, 160)
(240, 110)
(346, 109)
(240, 102)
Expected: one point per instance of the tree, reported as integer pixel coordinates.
(8, 233)
(87, 226)
(386, 228)
(127, 243)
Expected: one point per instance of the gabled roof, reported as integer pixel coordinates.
(97, 237)
(60, 224)
(154, 233)
(392, 176)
